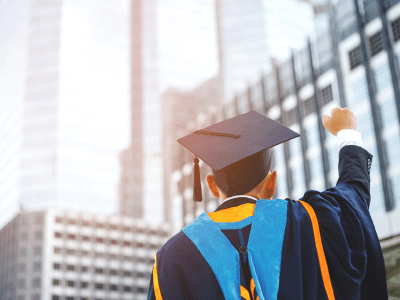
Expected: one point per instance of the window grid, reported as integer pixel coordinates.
(327, 95)
(355, 57)
(375, 43)
(309, 106)
(396, 29)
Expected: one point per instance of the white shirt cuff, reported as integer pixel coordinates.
(349, 137)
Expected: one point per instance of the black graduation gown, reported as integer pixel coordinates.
(282, 260)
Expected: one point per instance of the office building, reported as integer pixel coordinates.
(179, 50)
(179, 110)
(68, 255)
(359, 70)
(65, 87)
(131, 159)
(250, 33)
(369, 51)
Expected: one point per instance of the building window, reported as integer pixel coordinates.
(140, 245)
(85, 238)
(71, 221)
(38, 235)
(126, 273)
(375, 43)
(126, 243)
(22, 267)
(24, 236)
(84, 253)
(70, 283)
(56, 297)
(56, 266)
(57, 235)
(355, 57)
(125, 228)
(99, 240)
(84, 269)
(99, 225)
(38, 250)
(58, 220)
(57, 250)
(327, 95)
(84, 284)
(290, 117)
(113, 272)
(113, 256)
(70, 267)
(37, 266)
(36, 282)
(99, 271)
(56, 281)
(71, 236)
(127, 288)
(98, 286)
(127, 258)
(70, 251)
(396, 29)
(21, 283)
(23, 252)
(113, 227)
(86, 223)
(99, 255)
(140, 275)
(35, 297)
(113, 287)
(309, 106)
(113, 242)
(69, 298)
(140, 290)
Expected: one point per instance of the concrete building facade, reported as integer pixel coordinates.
(69, 255)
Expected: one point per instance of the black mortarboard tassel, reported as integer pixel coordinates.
(197, 196)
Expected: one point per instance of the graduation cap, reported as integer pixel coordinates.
(238, 150)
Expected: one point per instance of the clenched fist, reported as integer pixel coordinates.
(342, 118)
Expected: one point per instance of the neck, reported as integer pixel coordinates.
(238, 196)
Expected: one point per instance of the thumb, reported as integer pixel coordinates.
(326, 119)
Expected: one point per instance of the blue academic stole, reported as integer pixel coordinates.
(264, 248)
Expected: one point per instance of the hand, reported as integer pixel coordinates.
(342, 118)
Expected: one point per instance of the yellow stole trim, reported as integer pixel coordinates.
(155, 280)
(320, 251)
(233, 214)
(244, 293)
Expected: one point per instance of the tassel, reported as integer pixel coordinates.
(197, 196)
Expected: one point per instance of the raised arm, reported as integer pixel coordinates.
(354, 160)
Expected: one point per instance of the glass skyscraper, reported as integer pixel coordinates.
(353, 61)
(253, 32)
(65, 103)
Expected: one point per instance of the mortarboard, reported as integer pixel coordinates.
(237, 150)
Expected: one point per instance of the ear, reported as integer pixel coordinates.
(270, 186)
(212, 186)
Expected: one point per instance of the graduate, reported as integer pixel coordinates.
(321, 246)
